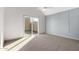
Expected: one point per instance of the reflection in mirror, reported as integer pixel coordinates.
(35, 25)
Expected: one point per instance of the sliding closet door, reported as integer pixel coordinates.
(74, 22)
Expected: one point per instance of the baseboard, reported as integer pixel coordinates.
(65, 36)
(3, 49)
(43, 33)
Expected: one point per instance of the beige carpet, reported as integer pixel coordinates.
(45, 42)
(9, 44)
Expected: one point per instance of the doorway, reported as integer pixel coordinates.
(31, 25)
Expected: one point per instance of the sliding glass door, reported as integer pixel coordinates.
(28, 25)
(31, 25)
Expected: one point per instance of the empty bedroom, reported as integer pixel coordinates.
(39, 28)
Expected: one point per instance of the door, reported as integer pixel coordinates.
(31, 25)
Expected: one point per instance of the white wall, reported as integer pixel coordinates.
(64, 24)
(1, 26)
(14, 22)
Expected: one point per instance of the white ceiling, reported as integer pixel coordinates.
(53, 10)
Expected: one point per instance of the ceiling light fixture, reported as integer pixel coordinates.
(44, 8)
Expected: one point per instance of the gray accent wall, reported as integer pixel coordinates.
(64, 24)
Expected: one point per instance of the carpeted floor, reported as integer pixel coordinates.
(8, 44)
(45, 42)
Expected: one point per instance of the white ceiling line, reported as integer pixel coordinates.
(53, 10)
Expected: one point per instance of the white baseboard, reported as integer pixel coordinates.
(65, 36)
(3, 49)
